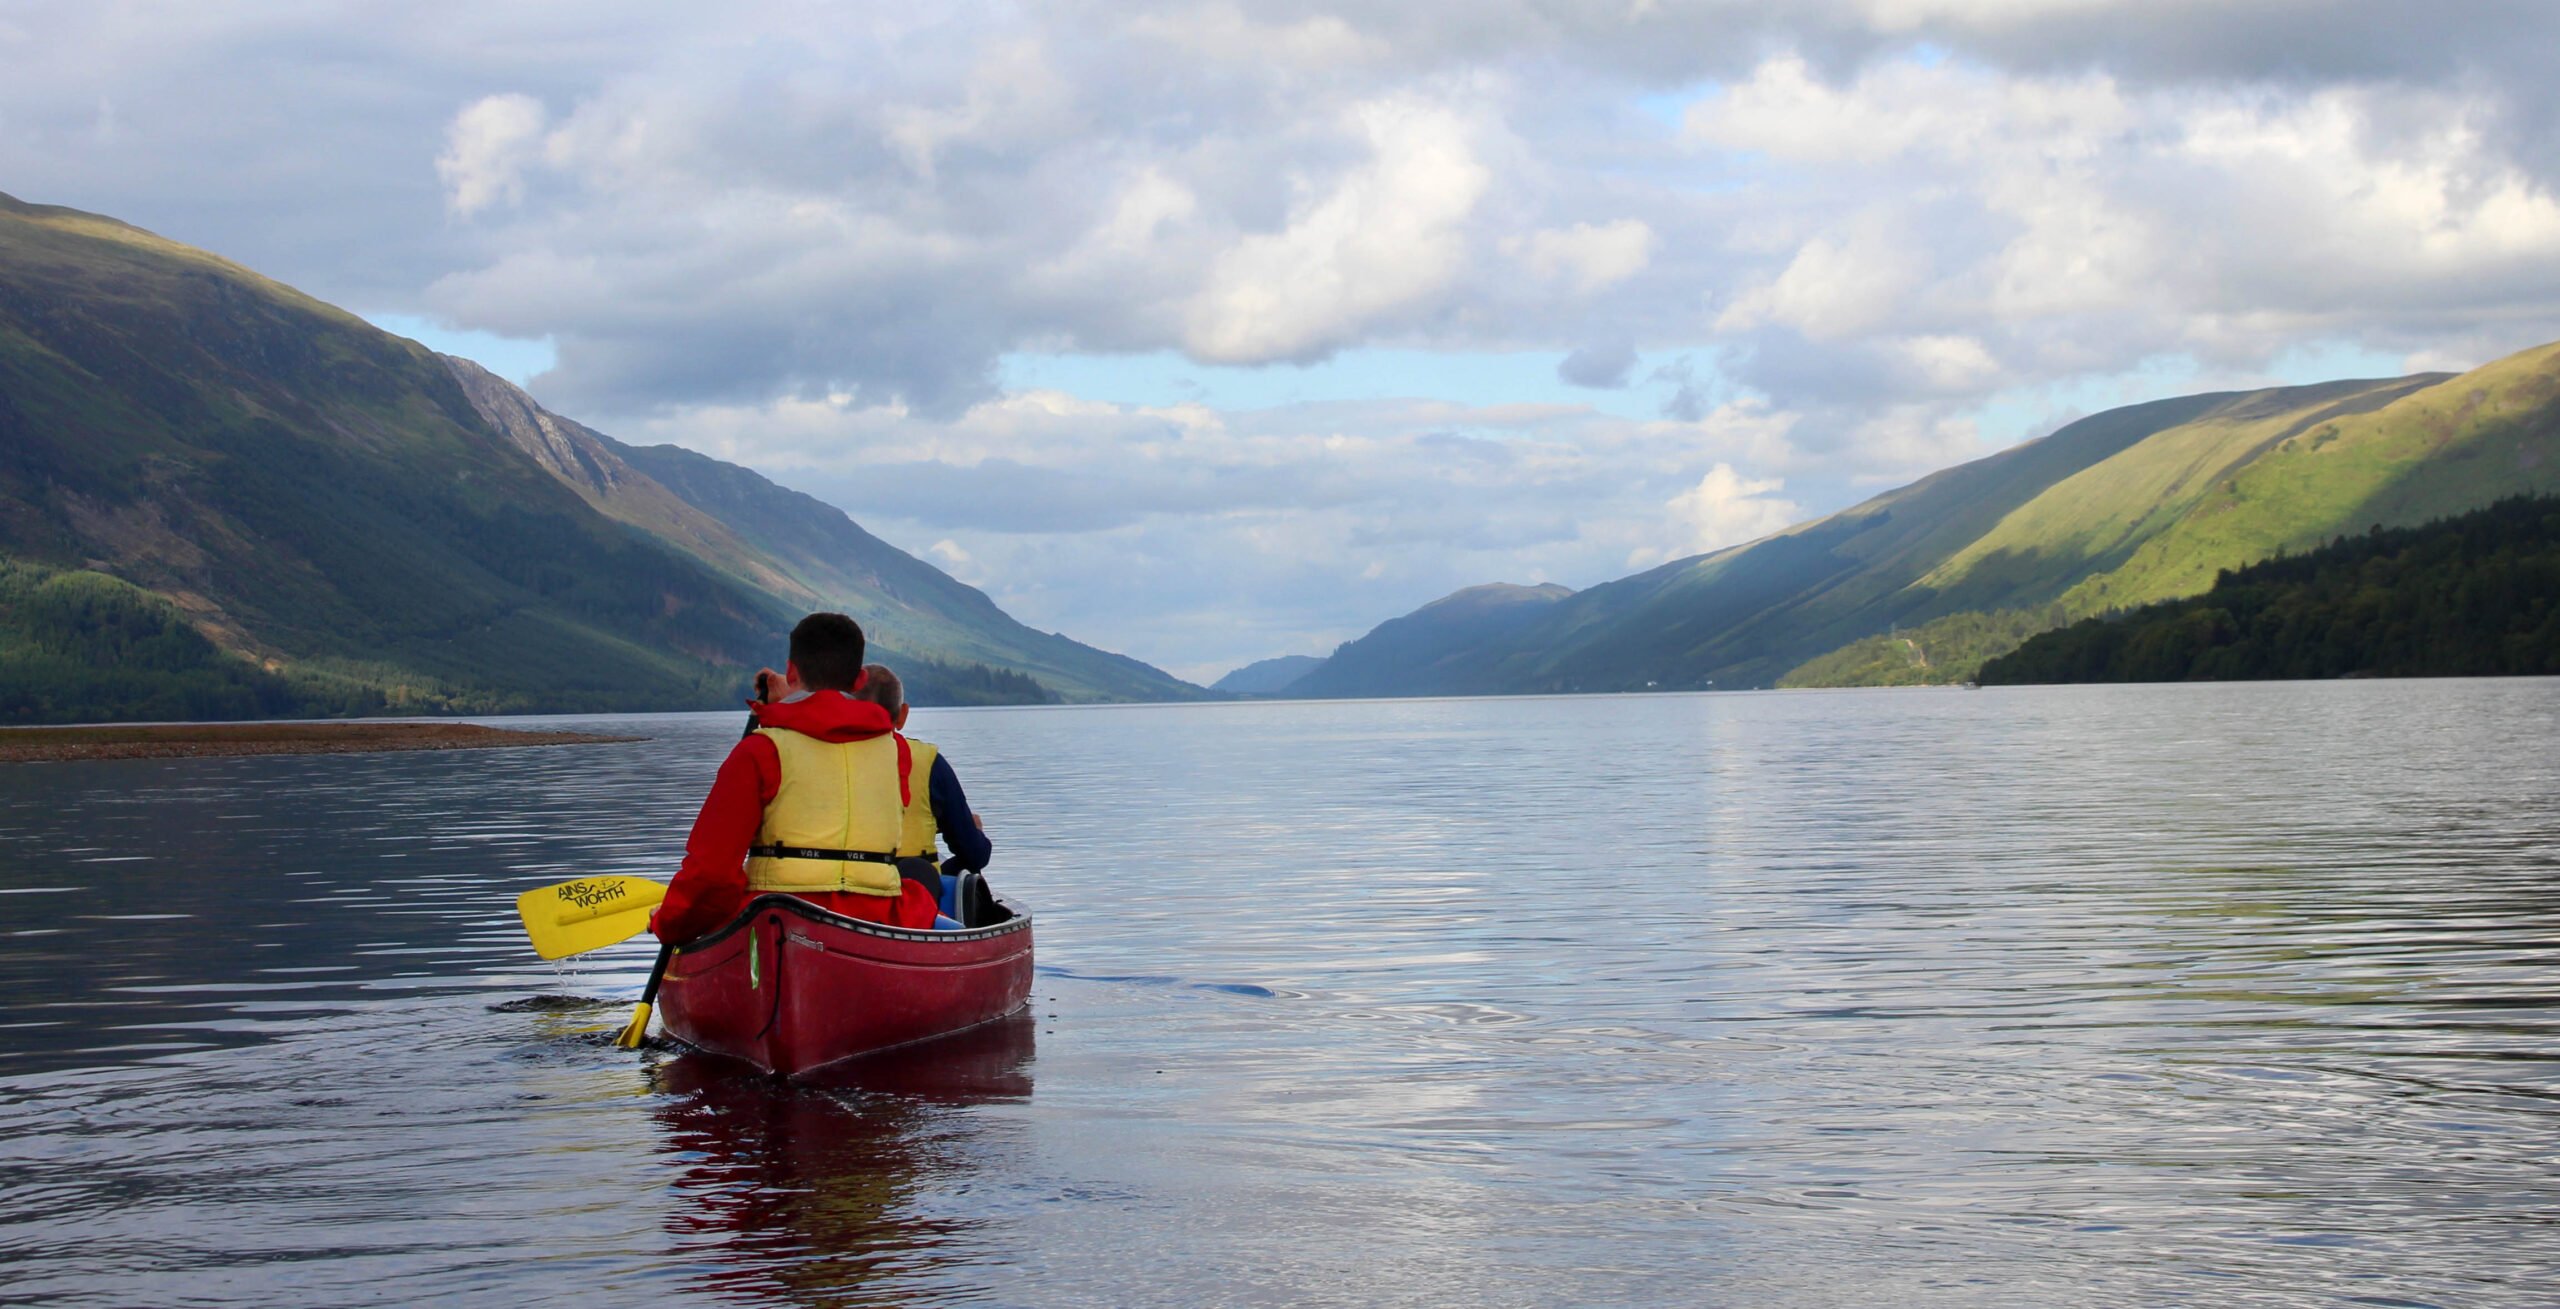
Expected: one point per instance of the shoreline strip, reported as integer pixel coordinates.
(231, 740)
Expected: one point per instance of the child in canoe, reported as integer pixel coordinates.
(936, 806)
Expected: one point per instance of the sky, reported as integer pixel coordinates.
(1213, 332)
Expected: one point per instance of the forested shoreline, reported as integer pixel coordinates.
(2475, 595)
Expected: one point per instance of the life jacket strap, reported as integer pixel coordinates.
(804, 852)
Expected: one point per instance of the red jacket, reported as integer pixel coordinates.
(711, 887)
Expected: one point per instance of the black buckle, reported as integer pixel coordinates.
(804, 852)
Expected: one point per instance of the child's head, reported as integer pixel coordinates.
(882, 687)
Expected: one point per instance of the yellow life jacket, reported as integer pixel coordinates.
(916, 835)
(833, 796)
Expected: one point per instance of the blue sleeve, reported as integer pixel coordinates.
(970, 848)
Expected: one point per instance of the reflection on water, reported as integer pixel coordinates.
(2214, 995)
(807, 1192)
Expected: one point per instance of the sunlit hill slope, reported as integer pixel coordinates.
(345, 521)
(2124, 507)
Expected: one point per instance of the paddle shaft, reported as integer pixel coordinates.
(638, 1031)
(657, 974)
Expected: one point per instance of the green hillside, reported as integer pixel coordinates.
(78, 644)
(2097, 519)
(2456, 446)
(2475, 595)
(352, 512)
(1742, 616)
(2124, 507)
(310, 490)
(1946, 651)
(2267, 487)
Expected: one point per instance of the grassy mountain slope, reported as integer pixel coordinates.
(309, 489)
(909, 604)
(2451, 447)
(2123, 507)
(1743, 615)
(2393, 456)
(2096, 519)
(1941, 652)
(389, 529)
(1918, 554)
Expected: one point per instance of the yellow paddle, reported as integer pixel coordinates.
(590, 914)
(587, 914)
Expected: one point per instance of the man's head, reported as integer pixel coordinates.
(882, 687)
(826, 652)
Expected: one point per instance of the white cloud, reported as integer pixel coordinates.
(1383, 238)
(1146, 206)
(1897, 443)
(1787, 110)
(488, 147)
(1957, 233)
(1952, 363)
(745, 206)
(1225, 34)
(1725, 508)
(1587, 256)
(2363, 188)
(1835, 286)
(1907, 15)
(1013, 95)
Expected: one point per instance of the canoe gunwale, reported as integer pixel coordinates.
(797, 907)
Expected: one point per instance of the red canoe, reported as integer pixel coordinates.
(791, 988)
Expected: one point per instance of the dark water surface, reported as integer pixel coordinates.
(2212, 995)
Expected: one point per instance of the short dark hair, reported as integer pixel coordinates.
(882, 687)
(828, 648)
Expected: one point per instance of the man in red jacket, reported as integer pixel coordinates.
(809, 804)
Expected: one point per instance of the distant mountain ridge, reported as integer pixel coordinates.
(1413, 651)
(1267, 676)
(911, 604)
(592, 465)
(2127, 506)
(386, 529)
(796, 546)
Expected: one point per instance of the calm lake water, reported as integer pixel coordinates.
(2214, 995)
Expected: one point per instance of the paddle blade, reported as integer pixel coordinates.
(638, 1031)
(587, 914)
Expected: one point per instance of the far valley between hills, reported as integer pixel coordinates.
(221, 498)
